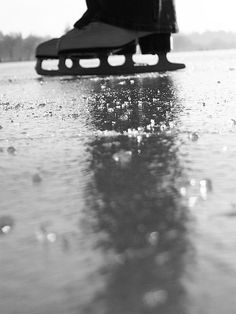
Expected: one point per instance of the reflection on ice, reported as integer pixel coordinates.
(132, 206)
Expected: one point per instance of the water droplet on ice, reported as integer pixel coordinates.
(6, 224)
(153, 238)
(193, 136)
(36, 178)
(44, 235)
(122, 157)
(11, 150)
(205, 187)
(233, 122)
(155, 298)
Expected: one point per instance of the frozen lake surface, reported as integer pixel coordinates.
(118, 194)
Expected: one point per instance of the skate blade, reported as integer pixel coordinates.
(51, 68)
(73, 65)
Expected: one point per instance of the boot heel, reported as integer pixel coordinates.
(129, 49)
(155, 43)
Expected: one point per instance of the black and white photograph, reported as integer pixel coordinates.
(118, 157)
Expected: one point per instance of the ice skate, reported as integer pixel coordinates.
(101, 42)
(47, 51)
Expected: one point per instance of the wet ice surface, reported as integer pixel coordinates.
(117, 194)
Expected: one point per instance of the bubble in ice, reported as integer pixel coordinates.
(206, 184)
(152, 122)
(153, 238)
(193, 136)
(41, 105)
(233, 122)
(36, 178)
(11, 150)
(163, 127)
(205, 187)
(155, 298)
(6, 224)
(183, 191)
(192, 201)
(122, 157)
(43, 234)
(192, 182)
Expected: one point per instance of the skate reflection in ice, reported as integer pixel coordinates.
(134, 200)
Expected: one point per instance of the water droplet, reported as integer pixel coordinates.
(205, 187)
(192, 182)
(233, 122)
(36, 178)
(153, 238)
(194, 137)
(152, 122)
(122, 157)
(44, 235)
(155, 298)
(139, 138)
(11, 150)
(192, 201)
(183, 191)
(6, 224)
(163, 127)
(51, 237)
(41, 105)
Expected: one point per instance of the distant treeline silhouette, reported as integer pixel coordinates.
(13, 47)
(205, 41)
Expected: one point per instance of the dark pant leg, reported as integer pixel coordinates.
(149, 15)
(92, 13)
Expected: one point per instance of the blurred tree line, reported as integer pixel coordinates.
(13, 47)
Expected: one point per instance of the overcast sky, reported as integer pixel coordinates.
(50, 17)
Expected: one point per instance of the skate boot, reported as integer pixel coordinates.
(46, 51)
(102, 41)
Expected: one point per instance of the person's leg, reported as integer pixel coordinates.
(147, 15)
(114, 24)
(91, 13)
(116, 27)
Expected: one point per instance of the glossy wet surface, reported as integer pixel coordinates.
(117, 194)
